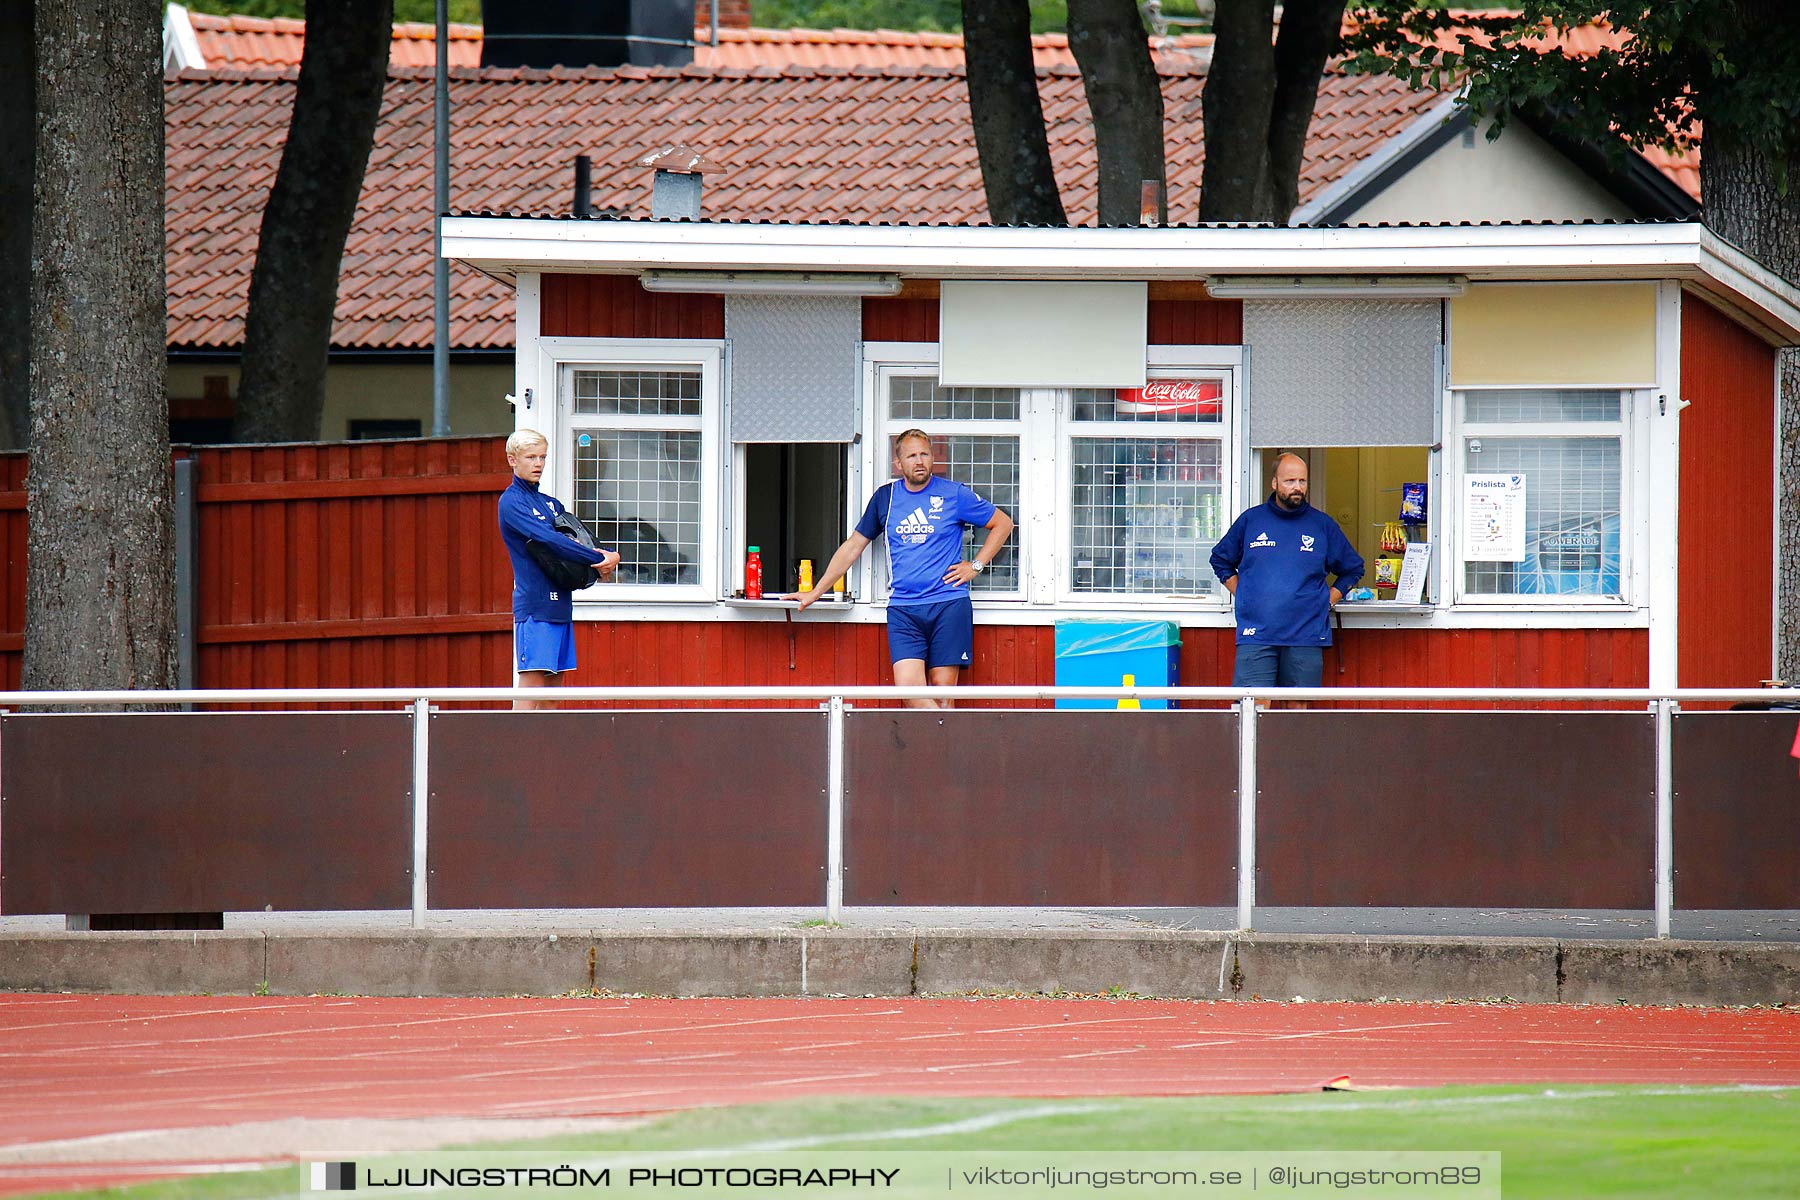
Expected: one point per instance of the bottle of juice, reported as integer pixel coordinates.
(806, 578)
(753, 574)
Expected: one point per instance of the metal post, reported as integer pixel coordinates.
(421, 790)
(1246, 812)
(834, 809)
(440, 346)
(187, 574)
(1665, 817)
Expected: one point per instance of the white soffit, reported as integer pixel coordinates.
(1062, 334)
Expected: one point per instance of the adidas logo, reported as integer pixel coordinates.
(915, 528)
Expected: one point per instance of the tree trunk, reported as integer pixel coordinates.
(100, 581)
(1745, 204)
(18, 132)
(1310, 31)
(1007, 115)
(1125, 98)
(1235, 105)
(1258, 104)
(293, 292)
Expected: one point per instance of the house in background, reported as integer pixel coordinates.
(804, 125)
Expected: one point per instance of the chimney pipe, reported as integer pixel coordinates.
(583, 206)
(675, 195)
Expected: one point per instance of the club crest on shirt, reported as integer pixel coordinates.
(1306, 542)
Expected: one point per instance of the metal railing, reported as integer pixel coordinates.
(835, 701)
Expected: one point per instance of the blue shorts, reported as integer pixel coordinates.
(943, 634)
(544, 645)
(1278, 666)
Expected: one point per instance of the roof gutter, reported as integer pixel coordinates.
(505, 246)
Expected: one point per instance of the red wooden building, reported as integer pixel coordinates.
(711, 386)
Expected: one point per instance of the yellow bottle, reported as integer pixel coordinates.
(837, 585)
(806, 574)
(1129, 701)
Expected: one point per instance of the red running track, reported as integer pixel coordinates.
(78, 1066)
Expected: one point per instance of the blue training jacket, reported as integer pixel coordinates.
(1281, 559)
(525, 516)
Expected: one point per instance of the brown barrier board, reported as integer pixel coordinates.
(1458, 810)
(594, 809)
(1737, 810)
(981, 807)
(205, 812)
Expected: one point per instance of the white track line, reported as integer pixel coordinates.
(145, 1018)
(1414, 1103)
(1255, 1037)
(987, 1029)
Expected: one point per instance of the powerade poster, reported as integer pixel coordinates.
(1493, 518)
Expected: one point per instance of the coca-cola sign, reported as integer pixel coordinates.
(1173, 398)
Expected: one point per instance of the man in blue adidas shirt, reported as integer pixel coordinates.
(543, 618)
(1274, 560)
(931, 623)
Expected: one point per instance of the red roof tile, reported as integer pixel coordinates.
(889, 144)
(248, 43)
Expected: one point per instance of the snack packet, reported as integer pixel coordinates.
(1412, 503)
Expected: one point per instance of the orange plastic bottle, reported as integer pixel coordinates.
(753, 574)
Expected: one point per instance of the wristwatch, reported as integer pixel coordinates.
(977, 566)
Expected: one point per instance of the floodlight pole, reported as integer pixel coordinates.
(440, 343)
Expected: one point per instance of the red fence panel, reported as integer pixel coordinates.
(351, 565)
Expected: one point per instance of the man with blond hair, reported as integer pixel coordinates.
(543, 612)
(921, 517)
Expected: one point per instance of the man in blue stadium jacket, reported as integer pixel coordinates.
(1274, 560)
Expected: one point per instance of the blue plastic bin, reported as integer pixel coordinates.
(1102, 653)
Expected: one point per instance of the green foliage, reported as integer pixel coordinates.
(940, 16)
(935, 16)
(1683, 63)
(250, 8)
(462, 12)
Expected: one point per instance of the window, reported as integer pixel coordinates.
(1565, 450)
(638, 468)
(1119, 494)
(975, 440)
(1147, 495)
(363, 429)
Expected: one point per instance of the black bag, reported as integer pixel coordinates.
(566, 575)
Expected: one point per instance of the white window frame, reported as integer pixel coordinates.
(884, 362)
(558, 359)
(1163, 362)
(1046, 429)
(1633, 408)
